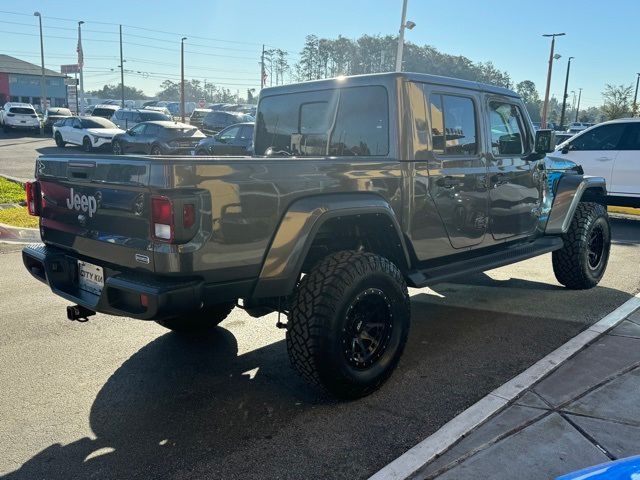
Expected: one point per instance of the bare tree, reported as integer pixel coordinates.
(617, 101)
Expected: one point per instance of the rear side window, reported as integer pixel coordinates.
(507, 134)
(153, 130)
(631, 139)
(342, 122)
(605, 137)
(453, 125)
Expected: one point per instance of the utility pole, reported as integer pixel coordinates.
(635, 97)
(43, 82)
(182, 78)
(578, 107)
(552, 57)
(403, 24)
(262, 71)
(564, 97)
(80, 64)
(121, 69)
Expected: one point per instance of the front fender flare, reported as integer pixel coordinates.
(296, 231)
(569, 193)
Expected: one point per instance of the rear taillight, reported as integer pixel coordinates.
(188, 215)
(162, 221)
(32, 190)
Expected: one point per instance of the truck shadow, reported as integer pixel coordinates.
(192, 407)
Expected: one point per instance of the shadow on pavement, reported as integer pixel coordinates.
(191, 407)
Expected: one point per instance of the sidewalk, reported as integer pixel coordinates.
(584, 413)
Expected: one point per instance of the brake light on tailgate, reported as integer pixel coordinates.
(32, 190)
(172, 220)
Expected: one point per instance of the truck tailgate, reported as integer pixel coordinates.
(98, 207)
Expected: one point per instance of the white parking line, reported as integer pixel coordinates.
(478, 413)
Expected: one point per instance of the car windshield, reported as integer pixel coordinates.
(60, 111)
(199, 113)
(101, 112)
(148, 116)
(22, 110)
(97, 123)
(182, 131)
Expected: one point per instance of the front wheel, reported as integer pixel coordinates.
(581, 263)
(59, 142)
(348, 323)
(198, 321)
(86, 144)
(156, 150)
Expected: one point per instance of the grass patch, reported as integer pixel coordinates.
(18, 217)
(10, 192)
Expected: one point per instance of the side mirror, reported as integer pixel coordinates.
(131, 133)
(566, 148)
(545, 141)
(77, 126)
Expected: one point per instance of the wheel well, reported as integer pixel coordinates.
(595, 195)
(374, 232)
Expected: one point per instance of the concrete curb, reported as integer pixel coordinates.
(12, 179)
(9, 233)
(474, 416)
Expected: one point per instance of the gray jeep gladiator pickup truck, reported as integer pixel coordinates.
(358, 188)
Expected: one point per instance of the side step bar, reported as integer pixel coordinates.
(516, 253)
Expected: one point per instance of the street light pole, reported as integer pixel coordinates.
(43, 83)
(635, 97)
(401, 37)
(182, 78)
(545, 106)
(578, 107)
(80, 64)
(121, 69)
(564, 97)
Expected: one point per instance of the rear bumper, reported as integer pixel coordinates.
(121, 295)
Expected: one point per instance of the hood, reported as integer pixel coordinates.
(104, 132)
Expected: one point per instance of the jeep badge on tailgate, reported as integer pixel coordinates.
(85, 203)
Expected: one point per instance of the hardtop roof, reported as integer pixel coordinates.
(374, 78)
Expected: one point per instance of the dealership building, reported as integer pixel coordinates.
(20, 82)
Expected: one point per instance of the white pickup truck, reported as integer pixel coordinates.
(610, 150)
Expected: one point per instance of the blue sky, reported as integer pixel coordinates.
(601, 35)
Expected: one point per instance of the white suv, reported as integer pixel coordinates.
(610, 150)
(19, 116)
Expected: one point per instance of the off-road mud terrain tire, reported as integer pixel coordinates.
(348, 300)
(581, 263)
(198, 321)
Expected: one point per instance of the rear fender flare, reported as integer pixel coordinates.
(295, 234)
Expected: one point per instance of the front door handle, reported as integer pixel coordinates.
(604, 159)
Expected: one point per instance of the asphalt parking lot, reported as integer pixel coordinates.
(117, 398)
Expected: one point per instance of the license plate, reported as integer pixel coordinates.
(23, 121)
(90, 277)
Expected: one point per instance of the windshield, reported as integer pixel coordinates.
(148, 116)
(59, 111)
(103, 112)
(97, 123)
(22, 110)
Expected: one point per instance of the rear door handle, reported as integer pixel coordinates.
(604, 159)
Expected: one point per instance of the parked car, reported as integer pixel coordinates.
(154, 108)
(104, 111)
(54, 115)
(150, 103)
(216, 121)
(610, 150)
(88, 132)
(126, 118)
(562, 137)
(198, 116)
(576, 127)
(158, 138)
(364, 205)
(233, 140)
(19, 116)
